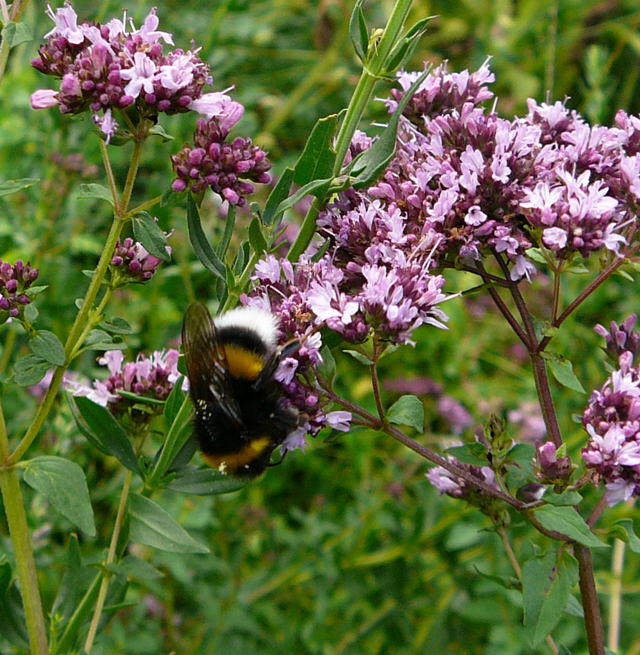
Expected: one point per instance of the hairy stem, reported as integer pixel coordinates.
(111, 556)
(19, 531)
(590, 604)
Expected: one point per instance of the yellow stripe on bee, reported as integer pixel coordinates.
(232, 462)
(243, 363)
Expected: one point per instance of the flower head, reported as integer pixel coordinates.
(150, 376)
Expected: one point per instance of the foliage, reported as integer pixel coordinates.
(344, 548)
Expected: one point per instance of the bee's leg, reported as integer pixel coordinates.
(270, 464)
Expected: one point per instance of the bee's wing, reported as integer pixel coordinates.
(207, 366)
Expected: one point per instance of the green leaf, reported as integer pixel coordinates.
(625, 532)
(158, 130)
(277, 195)
(223, 246)
(173, 403)
(204, 252)
(116, 325)
(546, 587)
(136, 568)
(72, 582)
(316, 188)
(16, 33)
(568, 498)
(177, 435)
(12, 623)
(46, 345)
(152, 526)
(256, 238)
(30, 313)
(64, 485)
(358, 31)
(404, 49)
(107, 432)
(327, 369)
(205, 482)
(359, 357)
(317, 159)
(101, 340)
(473, 453)
(407, 410)
(369, 165)
(568, 522)
(147, 231)
(562, 370)
(30, 369)
(94, 190)
(11, 186)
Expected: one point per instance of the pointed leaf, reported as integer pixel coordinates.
(205, 482)
(358, 32)
(64, 485)
(152, 526)
(371, 163)
(11, 186)
(12, 624)
(116, 325)
(16, 33)
(317, 159)
(147, 231)
(30, 369)
(562, 371)
(568, 522)
(201, 246)
(628, 534)
(256, 238)
(93, 190)
(279, 193)
(229, 224)
(107, 432)
(46, 345)
(546, 588)
(407, 410)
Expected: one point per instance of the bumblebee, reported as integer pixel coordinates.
(240, 413)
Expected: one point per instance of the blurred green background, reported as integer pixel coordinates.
(345, 548)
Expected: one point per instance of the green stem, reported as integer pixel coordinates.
(243, 280)
(21, 539)
(111, 556)
(374, 69)
(82, 318)
(17, 9)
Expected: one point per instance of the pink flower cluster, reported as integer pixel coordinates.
(132, 262)
(223, 166)
(612, 419)
(488, 185)
(152, 377)
(282, 290)
(15, 279)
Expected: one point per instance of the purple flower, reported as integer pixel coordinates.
(150, 376)
(14, 281)
(621, 339)
(220, 164)
(104, 68)
(612, 420)
(456, 487)
(132, 263)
